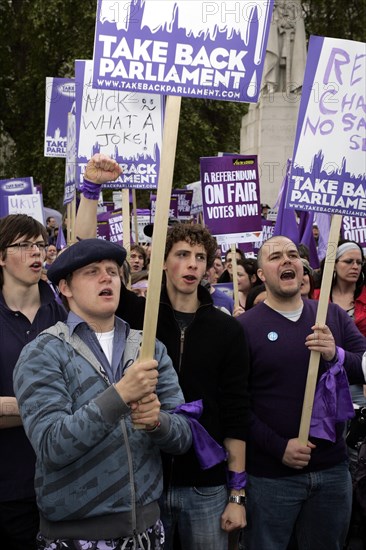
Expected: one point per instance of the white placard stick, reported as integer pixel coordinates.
(235, 276)
(126, 220)
(170, 134)
(73, 218)
(135, 225)
(321, 316)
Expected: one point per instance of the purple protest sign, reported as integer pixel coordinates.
(70, 165)
(173, 207)
(354, 229)
(13, 186)
(124, 125)
(109, 226)
(193, 48)
(231, 201)
(60, 98)
(184, 198)
(328, 171)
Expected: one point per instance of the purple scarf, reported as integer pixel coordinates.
(332, 401)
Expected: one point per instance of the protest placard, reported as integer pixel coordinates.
(173, 207)
(124, 125)
(70, 164)
(32, 205)
(13, 186)
(328, 166)
(230, 196)
(184, 201)
(60, 100)
(196, 188)
(213, 50)
(175, 48)
(354, 229)
(328, 172)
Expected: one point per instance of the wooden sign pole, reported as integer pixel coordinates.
(170, 134)
(235, 275)
(126, 220)
(72, 219)
(321, 316)
(135, 225)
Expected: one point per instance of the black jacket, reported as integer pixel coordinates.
(212, 364)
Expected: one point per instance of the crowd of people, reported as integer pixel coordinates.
(198, 446)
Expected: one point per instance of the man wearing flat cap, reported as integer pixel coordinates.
(81, 392)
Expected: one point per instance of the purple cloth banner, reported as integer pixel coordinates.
(307, 237)
(328, 173)
(286, 223)
(332, 401)
(193, 48)
(230, 196)
(209, 453)
(60, 100)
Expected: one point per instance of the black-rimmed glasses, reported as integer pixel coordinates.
(27, 246)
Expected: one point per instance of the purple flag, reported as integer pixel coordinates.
(286, 223)
(60, 241)
(307, 237)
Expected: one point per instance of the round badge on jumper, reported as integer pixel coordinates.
(272, 336)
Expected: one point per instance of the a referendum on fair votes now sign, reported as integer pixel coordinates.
(14, 186)
(192, 48)
(328, 171)
(122, 124)
(59, 101)
(110, 227)
(70, 164)
(231, 200)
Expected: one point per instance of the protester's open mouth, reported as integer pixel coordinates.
(36, 265)
(190, 278)
(288, 274)
(106, 292)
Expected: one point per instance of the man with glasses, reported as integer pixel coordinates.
(27, 306)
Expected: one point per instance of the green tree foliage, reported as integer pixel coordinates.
(336, 18)
(41, 38)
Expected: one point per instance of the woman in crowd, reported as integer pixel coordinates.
(247, 279)
(307, 285)
(348, 288)
(227, 275)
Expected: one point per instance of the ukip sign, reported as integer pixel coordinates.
(211, 50)
(328, 171)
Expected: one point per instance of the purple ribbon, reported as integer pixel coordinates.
(209, 453)
(90, 190)
(332, 401)
(236, 480)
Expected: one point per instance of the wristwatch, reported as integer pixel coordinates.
(238, 499)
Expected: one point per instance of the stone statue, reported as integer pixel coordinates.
(285, 60)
